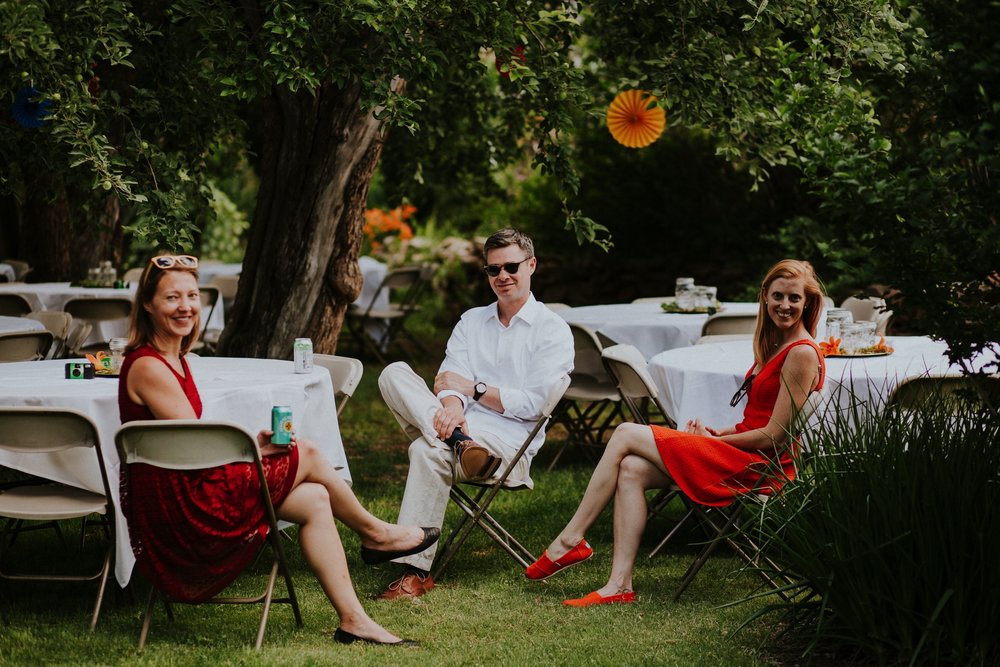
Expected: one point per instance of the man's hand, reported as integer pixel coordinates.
(454, 382)
(450, 417)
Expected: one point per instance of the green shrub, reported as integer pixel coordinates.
(893, 535)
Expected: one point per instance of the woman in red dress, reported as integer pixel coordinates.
(712, 466)
(194, 531)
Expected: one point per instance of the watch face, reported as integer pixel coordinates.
(481, 387)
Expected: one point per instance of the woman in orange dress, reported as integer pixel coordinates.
(194, 531)
(712, 466)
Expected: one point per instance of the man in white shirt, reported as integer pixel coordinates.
(501, 363)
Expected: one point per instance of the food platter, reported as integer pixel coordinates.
(674, 309)
(105, 373)
(857, 356)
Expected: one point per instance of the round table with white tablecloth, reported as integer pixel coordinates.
(698, 382)
(232, 389)
(646, 325)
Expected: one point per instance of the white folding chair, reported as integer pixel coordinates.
(475, 509)
(592, 402)
(21, 269)
(133, 275)
(40, 432)
(948, 393)
(345, 372)
(98, 310)
(193, 444)
(729, 323)
(871, 309)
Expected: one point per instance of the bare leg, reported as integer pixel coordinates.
(628, 439)
(375, 533)
(635, 476)
(308, 505)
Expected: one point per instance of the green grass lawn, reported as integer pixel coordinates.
(483, 612)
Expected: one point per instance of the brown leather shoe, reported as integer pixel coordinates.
(410, 585)
(477, 462)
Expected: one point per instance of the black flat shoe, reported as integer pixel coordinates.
(345, 637)
(376, 556)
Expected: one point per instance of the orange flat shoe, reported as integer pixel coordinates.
(595, 598)
(544, 567)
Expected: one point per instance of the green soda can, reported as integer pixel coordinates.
(281, 424)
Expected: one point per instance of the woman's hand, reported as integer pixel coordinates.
(697, 428)
(267, 447)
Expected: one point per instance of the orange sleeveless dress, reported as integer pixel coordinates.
(712, 472)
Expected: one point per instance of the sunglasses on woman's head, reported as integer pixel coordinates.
(170, 261)
(493, 270)
(742, 391)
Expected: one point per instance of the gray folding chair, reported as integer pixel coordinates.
(207, 340)
(410, 283)
(14, 305)
(475, 508)
(948, 393)
(97, 310)
(727, 524)
(39, 432)
(21, 269)
(57, 323)
(192, 444)
(346, 374)
(592, 403)
(24, 345)
(627, 365)
(729, 323)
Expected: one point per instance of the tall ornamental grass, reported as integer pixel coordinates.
(892, 535)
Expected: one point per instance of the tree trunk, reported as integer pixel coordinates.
(300, 270)
(56, 241)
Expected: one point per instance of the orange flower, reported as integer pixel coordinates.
(635, 119)
(379, 224)
(830, 347)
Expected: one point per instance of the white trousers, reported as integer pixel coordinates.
(432, 462)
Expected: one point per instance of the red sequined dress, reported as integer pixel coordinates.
(194, 531)
(712, 472)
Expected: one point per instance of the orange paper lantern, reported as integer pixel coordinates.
(635, 119)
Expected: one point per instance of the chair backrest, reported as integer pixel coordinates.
(729, 323)
(21, 269)
(133, 275)
(227, 286)
(947, 393)
(209, 299)
(407, 280)
(45, 430)
(58, 323)
(184, 444)
(99, 309)
(345, 372)
(587, 353)
(655, 299)
(556, 306)
(14, 305)
(723, 338)
(629, 369)
(78, 336)
(24, 345)
(864, 309)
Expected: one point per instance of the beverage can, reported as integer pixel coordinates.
(281, 424)
(303, 355)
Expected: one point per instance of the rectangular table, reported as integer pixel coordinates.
(646, 325)
(232, 389)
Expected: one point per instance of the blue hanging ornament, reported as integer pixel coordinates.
(28, 110)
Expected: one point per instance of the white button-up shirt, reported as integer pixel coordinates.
(524, 361)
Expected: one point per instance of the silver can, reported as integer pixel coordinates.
(303, 355)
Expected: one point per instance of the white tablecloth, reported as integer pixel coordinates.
(209, 270)
(19, 324)
(698, 382)
(53, 296)
(645, 325)
(7, 271)
(232, 389)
